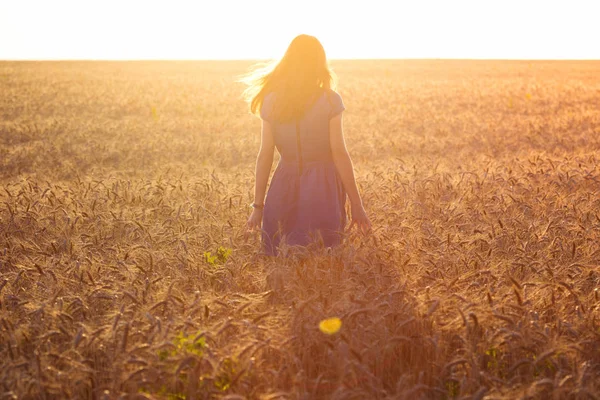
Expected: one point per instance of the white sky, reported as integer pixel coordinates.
(230, 29)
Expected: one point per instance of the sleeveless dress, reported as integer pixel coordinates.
(305, 200)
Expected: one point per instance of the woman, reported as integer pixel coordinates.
(302, 116)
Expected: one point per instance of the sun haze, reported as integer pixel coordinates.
(513, 29)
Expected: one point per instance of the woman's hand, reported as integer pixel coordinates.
(255, 220)
(360, 219)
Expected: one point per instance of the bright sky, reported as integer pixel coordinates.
(242, 29)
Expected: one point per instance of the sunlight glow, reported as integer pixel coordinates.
(228, 29)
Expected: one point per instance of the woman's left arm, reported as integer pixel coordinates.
(264, 161)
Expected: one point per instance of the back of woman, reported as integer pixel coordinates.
(313, 127)
(301, 117)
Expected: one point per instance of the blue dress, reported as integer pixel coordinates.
(306, 198)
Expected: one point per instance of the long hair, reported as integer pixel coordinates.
(296, 80)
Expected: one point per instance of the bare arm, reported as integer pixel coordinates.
(342, 160)
(344, 166)
(264, 161)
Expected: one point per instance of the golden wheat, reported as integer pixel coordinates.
(126, 270)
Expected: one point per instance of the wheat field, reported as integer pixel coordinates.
(126, 270)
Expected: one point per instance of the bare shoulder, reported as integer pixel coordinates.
(269, 98)
(333, 95)
(266, 108)
(336, 104)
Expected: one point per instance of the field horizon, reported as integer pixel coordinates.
(330, 59)
(126, 270)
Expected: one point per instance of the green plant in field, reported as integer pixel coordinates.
(184, 344)
(170, 396)
(220, 257)
(453, 388)
(176, 396)
(154, 113)
(492, 354)
(495, 362)
(187, 344)
(225, 377)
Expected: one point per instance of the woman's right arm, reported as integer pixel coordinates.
(264, 162)
(343, 164)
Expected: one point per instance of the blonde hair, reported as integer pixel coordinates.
(296, 80)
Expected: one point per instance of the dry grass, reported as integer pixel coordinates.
(481, 279)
